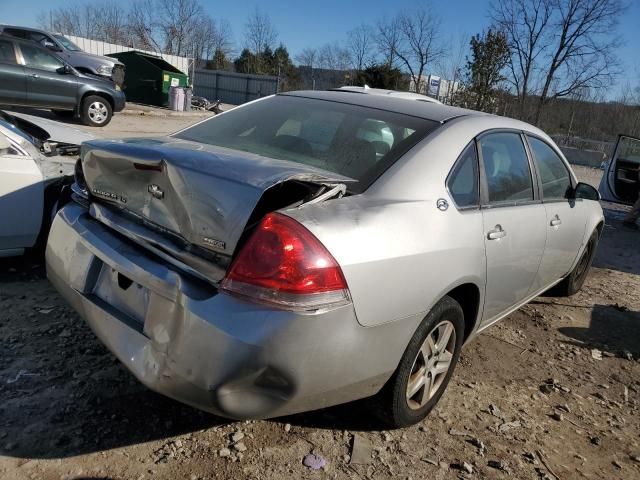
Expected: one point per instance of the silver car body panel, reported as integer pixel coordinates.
(400, 254)
(209, 349)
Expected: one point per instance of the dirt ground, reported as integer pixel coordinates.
(551, 392)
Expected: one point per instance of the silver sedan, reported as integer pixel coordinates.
(313, 248)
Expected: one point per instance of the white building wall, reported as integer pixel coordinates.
(103, 48)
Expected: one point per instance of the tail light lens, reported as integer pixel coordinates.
(283, 263)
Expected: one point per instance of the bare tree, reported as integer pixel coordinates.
(177, 20)
(260, 33)
(108, 21)
(418, 44)
(334, 56)
(388, 39)
(223, 38)
(581, 53)
(67, 21)
(308, 57)
(142, 26)
(526, 25)
(452, 63)
(360, 42)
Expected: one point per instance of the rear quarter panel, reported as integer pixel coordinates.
(399, 257)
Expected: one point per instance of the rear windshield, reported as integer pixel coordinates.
(351, 140)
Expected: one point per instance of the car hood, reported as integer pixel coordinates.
(203, 194)
(93, 60)
(56, 131)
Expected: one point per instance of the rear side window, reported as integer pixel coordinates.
(506, 168)
(35, 57)
(7, 54)
(463, 181)
(16, 32)
(556, 181)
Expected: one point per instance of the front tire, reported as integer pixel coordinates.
(425, 368)
(96, 111)
(574, 281)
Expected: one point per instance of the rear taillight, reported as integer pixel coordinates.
(283, 263)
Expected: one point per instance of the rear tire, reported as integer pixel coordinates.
(95, 111)
(574, 281)
(436, 344)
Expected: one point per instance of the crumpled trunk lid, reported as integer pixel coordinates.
(201, 193)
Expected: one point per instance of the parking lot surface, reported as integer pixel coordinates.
(552, 391)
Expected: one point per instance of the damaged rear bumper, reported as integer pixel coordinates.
(182, 338)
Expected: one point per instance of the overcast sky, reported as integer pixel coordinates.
(302, 23)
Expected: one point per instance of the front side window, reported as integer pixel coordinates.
(556, 181)
(463, 181)
(506, 168)
(35, 57)
(351, 140)
(7, 54)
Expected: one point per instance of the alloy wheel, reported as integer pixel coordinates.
(430, 367)
(98, 112)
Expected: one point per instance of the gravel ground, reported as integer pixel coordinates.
(551, 392)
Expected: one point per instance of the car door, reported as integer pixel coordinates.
(514, 221)
(13, 85)
(566, 217)
(47, 83)
(620, 182)
(21, 198)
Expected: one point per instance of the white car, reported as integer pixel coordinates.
(35, 171)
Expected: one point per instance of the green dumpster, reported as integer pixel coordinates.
(149, 78)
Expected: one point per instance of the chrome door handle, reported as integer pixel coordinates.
(555, 221)
(496, 233)
(35, 75)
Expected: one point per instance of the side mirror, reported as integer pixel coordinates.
(586, 192)
(51, 46)
(65, 70)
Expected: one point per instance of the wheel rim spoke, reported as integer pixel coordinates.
(445, 332)
(416, 383)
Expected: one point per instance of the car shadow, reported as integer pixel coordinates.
(46, 114)
(612, 329)
(618, 247)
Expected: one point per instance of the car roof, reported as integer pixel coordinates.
(29, 29)
(415, 107)
(393, 93)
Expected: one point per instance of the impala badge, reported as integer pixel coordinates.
(156, 191)
(215, 243)
(442, 204)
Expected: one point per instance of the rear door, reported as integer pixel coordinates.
(566, 218)
(47, 84)
(620, 182)
(13, 85)
(514, 222)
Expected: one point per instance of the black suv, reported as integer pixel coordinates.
(32, 76)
